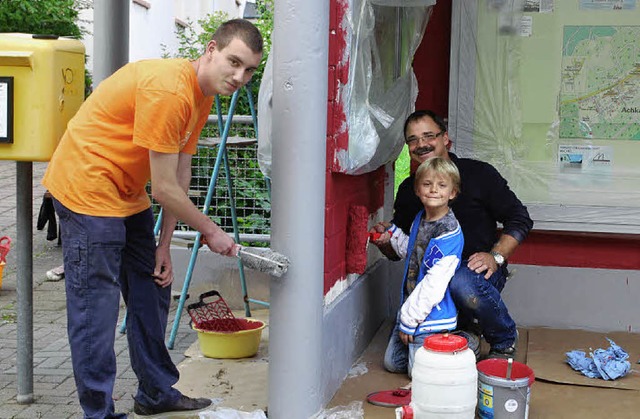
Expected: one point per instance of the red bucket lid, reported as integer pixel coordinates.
(445, 343)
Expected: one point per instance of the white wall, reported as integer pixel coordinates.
(151, 27)
(86, 23)
(574, 298)
(230, 7)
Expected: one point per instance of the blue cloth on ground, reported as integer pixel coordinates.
(607, 364)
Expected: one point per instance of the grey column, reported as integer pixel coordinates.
(110, 37)
(300, 48)
(24, 277)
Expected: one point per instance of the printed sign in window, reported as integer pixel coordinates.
(585, 157)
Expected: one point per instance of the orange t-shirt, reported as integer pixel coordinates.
(101, 166)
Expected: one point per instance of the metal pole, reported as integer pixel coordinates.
(110, 37)
(299, 129)
(24, 207)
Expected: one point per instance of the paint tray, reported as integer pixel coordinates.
(212, 314)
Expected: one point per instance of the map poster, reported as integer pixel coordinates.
(600, 82)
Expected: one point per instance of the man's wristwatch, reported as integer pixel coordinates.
(498, 258)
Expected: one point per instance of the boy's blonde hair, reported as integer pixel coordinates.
(439, 166)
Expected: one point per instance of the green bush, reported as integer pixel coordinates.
(402, 168)
(43, 17)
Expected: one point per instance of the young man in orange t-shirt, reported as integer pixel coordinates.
(140, 124)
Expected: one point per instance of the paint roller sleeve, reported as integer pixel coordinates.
(264, 260)
(357, 239)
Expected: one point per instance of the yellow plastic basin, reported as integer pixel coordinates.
(241, 344)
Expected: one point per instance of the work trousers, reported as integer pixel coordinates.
(103, 258)
(398, 357)
(479, 298)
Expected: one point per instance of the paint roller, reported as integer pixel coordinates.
(263, 260)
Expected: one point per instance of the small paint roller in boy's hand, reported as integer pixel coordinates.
(264, 260)
(375, 236)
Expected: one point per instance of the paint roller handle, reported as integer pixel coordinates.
(377, 235)
(378, 231)
(205, 295)
(222, 244)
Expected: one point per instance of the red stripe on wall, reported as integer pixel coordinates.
(579, 250)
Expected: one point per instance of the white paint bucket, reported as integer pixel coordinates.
(504, 391)
(444, 379)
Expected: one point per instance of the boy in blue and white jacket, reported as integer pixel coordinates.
(432, 252)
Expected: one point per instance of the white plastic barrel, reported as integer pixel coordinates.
(444, 379)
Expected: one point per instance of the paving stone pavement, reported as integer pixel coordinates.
(53, 384)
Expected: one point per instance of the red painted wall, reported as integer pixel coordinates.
(342, 191)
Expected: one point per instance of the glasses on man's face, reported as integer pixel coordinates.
(428, 136)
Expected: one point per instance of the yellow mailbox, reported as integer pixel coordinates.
(41, 88)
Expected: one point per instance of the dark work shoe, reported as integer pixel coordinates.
(505, 353)
(184, 407)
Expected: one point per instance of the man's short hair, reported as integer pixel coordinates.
(418, 115)
(439, 166)
(241, 29)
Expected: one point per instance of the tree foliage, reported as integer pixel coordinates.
(43, 17)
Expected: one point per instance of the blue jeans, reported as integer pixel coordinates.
(398, 357)
(479, 298)
(103, 257)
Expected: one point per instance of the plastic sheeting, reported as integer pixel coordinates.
(353, 410)
(517, 91)
(227, 413)
(264, 118)
(381, 89)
